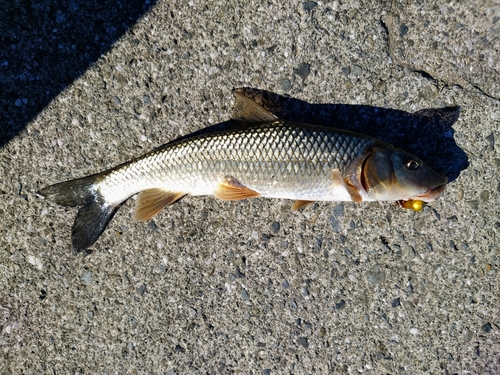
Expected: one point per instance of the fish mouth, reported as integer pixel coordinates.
(431, 194)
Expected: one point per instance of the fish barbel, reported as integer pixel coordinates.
(261, 157)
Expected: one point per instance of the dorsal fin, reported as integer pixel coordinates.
(246, 110)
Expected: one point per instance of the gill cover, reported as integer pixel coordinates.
(392, 174)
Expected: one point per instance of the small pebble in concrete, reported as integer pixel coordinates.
(303, 70)
(275, 227)
(285, 85)
(87, 277)
(340, 304)
(191, 312)
(309, 5)
(335, 224)
(486, 328)
(376, 274)
(142, 289)
(244, 294)
(303, 342)
(403, 29)
(357, 71)
(338, 210)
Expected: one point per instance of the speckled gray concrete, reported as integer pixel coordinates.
(251, 287)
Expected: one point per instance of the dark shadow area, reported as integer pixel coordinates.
(46, 44)
(427, 133)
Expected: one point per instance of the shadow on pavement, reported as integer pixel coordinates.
(45, 45)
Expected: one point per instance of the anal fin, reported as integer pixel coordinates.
(299, 204)
(230, 189)
(151, 201)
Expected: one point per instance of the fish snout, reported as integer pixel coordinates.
(433, 193)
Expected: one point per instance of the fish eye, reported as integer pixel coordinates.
(412, 165)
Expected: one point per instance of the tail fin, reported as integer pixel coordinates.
(94, 213)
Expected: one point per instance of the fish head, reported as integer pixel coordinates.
(393, 174)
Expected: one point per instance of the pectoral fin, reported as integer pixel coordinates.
(353, 191)
(230, 189)
(152, 201)
(337, 178)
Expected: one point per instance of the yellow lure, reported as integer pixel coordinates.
(414, 205)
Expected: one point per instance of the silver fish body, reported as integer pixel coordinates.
(276, 160)
(262, 156)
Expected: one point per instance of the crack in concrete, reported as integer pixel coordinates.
(485, 93)
(388, 24)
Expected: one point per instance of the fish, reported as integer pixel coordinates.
(260, 156)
